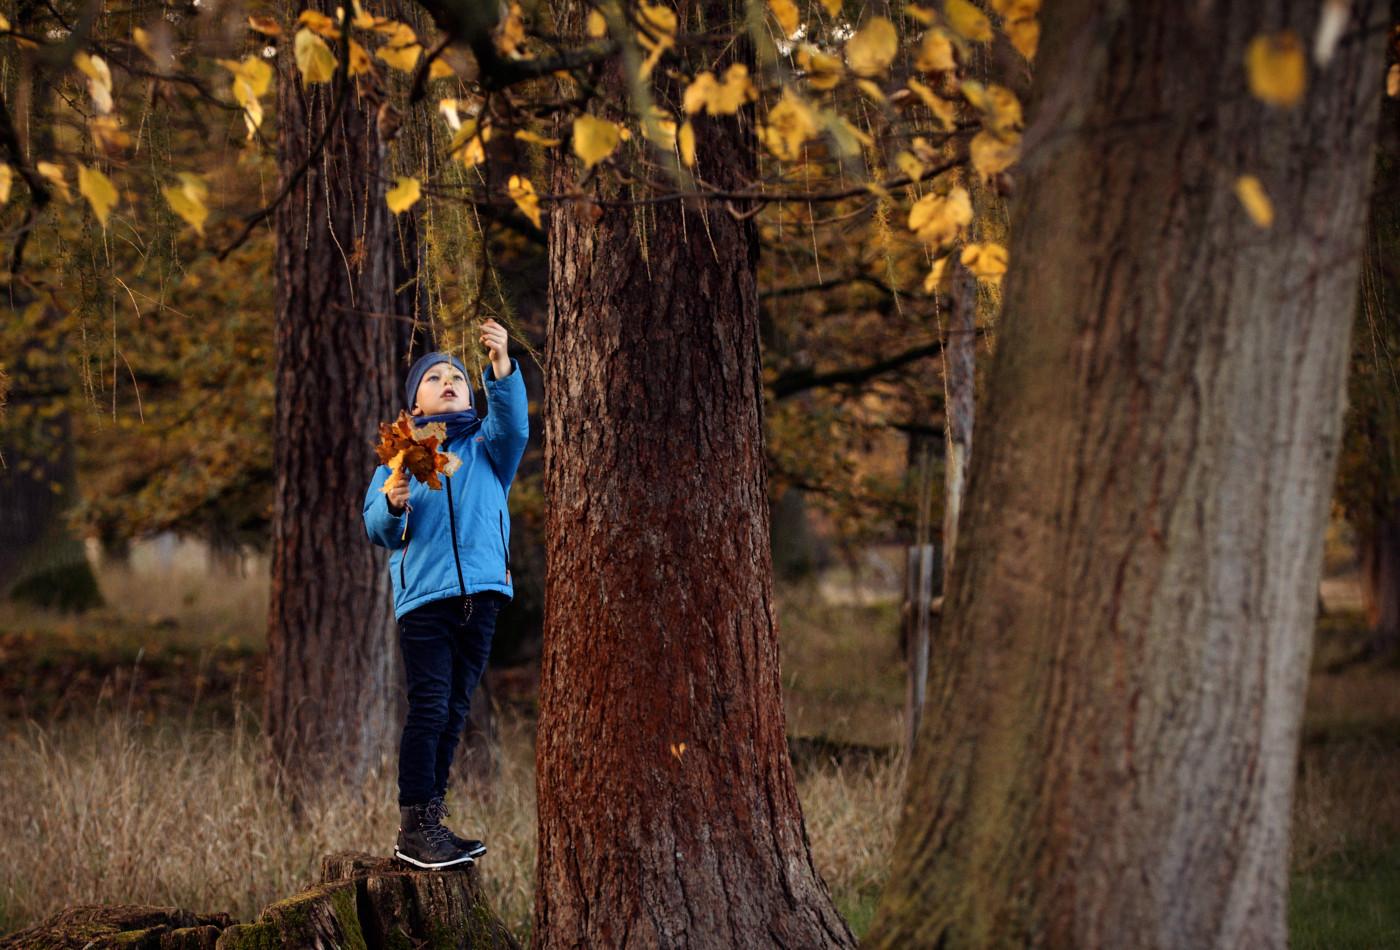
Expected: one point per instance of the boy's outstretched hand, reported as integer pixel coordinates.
(493, 337)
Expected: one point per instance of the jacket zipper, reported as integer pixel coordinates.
(452, 525)
(403, 557)
(501, 518)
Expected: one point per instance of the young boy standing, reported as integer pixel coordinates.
(451, 575)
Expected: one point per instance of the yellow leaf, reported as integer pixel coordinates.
(314, 58)
(509, 34)
(265, 25)
(403, 195)
(467, 146)
(719, 98)
(525, 135)
(1001, 110)
(440, 69)
(1024, 34)
(660, 128)
(967, 20)
(986, 261)
(99, 80)
(597, 25)
(943, 110)
(698, 94)
(98, 189)
(935, 53)
(108, 135)
(1276, 68)
(922, 14)
(871, 89)
(54, 174)
(872, 49)
(909, 166)
(1256, 201)
(786, 13)
(736, 90)
(790, 124)
(402, 58)
(4, 23)
(187, 199)
(833, 8)
(396, 33)
(6, 179)
(940, 219)
(523, 194)
(938, 277)
(594, 139)
(359, 60)
(319, 23)
(659, 24)
(992, 155)
(685, 138)
(1392, 81)
(823, 70)
(1015, 9)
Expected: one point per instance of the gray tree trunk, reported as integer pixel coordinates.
(1108, 754)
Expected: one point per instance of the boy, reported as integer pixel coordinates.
(451, 574)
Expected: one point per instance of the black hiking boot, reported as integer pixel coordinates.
(424, 843)
(437, 812)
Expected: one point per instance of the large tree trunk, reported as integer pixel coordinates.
(331, 650)
(1108, 753)
(668, 814)
(1369, 482)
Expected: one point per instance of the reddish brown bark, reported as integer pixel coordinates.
(668, 814)
(328, 707)
(1108, 753)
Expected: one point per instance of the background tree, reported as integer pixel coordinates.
(1368, 482)
(1109, 751)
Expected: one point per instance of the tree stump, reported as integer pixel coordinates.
(362, 902)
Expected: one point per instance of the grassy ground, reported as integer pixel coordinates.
(130, 767)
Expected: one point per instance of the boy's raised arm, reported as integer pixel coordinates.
(507, 424)
(382, 525)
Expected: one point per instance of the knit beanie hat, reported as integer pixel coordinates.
(426, 362)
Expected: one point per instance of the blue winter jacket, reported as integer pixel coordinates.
(458, 537)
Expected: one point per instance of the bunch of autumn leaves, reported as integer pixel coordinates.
(413, 450)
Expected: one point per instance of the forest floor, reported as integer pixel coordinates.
(129, 751)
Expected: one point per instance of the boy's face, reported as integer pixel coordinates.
(443, 388)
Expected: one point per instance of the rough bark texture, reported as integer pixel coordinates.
(332, 658)
(1107, 758)
(668, 814)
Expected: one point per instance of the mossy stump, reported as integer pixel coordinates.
(362, 903)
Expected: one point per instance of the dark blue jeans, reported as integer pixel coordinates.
(445, 647)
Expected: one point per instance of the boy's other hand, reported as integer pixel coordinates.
(493, 337)
(398, 497)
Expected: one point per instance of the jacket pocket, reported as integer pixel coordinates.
(501, 518)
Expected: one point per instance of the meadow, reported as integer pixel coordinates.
(130, 763)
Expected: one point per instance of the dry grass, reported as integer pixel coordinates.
(113, 807)
(108, 809)
(111, 810)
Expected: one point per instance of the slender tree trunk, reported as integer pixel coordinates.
(1380, 583)
(332, 658)
(1110, 743)
(959, 368)
(668, 814)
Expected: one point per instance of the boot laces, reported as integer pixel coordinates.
(436, 834)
